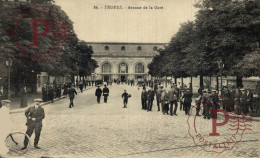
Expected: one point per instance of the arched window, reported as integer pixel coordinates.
(139, 48)
(155, 48)
(123, 68)
(106, 48)
(139, 68)
(123, 48)
(106, 68)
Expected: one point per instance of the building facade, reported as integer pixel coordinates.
(123, 61)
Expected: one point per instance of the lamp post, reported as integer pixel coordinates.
(221, 67)
(9, 63)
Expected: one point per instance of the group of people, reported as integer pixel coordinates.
(232, 99)
(51, 91)
(99, 92)
(166, 99)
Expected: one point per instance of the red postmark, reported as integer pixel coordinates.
(223, 130)
(38, 33)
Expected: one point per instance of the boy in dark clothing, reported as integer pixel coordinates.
(125, 96)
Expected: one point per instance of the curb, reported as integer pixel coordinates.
(44, 103)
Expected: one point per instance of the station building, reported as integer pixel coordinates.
(123, 61)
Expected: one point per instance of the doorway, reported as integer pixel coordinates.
(106, 78)
(123, 78)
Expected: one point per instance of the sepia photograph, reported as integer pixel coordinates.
(129, 78)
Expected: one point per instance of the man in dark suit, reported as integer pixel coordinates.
(71, 92)
(98, 93)
(35, 115)
(250, 97)
(243, 101)
(150, 97)
(173, 96)
(187, 101)
(144, 98)
(105, 93)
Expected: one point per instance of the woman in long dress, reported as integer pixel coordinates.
(23, 97)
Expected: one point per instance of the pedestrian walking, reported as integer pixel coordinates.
(243, 101)
(144, 98)
(238, 101)
(207, 105)
(165, 102)
(98, 94)
(51, 93)
(250, 98)
(125, 97)
(71, 93)
(105, 93)
(158, 96)
(150, 98)
(187, 101)
(5, 124)
(215, 100)
(23, 97)
(173, 96)
(81, 85)
(34, 115)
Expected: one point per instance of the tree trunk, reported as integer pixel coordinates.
(239, 81)
(175, 80)
(201, 81)
(181, 81)
(191, 84)
(166, 81)
(209, 82)
(217, 84)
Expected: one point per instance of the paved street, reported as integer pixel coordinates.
(108, 130)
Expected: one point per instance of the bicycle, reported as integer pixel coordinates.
(15, 142)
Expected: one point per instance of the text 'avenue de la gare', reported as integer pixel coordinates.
(128, 7)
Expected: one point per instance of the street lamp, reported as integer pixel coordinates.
(9, 63)
(221, 67)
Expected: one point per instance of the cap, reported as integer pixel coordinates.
(242, 89)
(37, 100)
(214, 90)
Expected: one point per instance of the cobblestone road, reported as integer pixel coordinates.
(108, 130)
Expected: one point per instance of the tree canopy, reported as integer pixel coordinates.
(223, 30)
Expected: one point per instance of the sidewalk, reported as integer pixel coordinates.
(15, 105)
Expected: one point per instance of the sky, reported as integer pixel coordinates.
(128, 25)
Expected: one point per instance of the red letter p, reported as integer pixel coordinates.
(214, 121)
(35, 34)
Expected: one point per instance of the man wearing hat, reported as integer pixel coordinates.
(105, 93)
(243, 100)
(144, 98)
(158, 96)
(71, 93)
(34, 115)
(187, 101)
(5, 124)
(173, 96)
(215, 99)
(98, 93)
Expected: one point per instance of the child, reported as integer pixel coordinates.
(125, 96)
